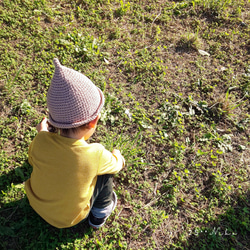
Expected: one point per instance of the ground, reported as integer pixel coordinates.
(176, 78)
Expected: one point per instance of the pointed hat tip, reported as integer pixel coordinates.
(56, 62)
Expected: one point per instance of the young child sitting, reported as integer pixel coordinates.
(71, 179)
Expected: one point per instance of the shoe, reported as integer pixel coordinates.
(99, 222)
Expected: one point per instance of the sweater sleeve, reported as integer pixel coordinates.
(110, 163)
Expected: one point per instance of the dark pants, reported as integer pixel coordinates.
(102, 196)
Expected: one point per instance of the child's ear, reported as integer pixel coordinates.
(92, 124)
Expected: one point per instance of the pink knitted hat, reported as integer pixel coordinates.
(72, 98)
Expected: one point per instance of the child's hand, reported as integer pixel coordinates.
(119, 155)
(43, 125)
(116, 151)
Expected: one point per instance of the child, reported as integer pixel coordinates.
(71, 179)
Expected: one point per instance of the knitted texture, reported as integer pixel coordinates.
(72, 98)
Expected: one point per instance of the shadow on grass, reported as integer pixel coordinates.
(22, 228)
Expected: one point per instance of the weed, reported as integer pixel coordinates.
(110, 114)
(86, 47)
(246, 82)
(224, 106)
(123, 9)
(189, 42)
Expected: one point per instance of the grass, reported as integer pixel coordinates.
(176, 77)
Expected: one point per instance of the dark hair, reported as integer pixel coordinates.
(66, 131)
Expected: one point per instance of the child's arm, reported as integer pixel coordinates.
(120, 159)
(43, 125)
(111, 163)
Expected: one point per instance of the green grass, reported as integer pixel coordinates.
(181, 118)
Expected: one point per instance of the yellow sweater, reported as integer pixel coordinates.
(64, 175)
